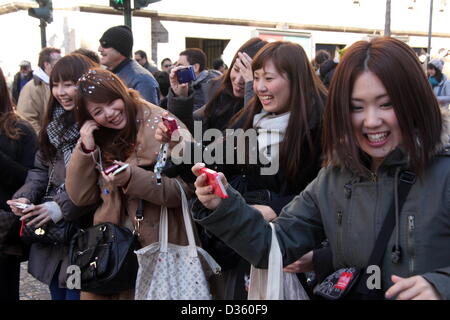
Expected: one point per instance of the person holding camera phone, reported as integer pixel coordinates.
(49, 203)
(382, 129)
(118, 127)
(18, 144)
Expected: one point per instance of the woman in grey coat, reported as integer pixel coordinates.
(381, 119)
(48, 262)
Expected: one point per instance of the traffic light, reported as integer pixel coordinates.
(116, 4)
(138, 4)
(44, 12)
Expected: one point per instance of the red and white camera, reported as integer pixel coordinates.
(115, 169)
(215, 181)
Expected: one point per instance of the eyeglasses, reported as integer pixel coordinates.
(167, 65)
(105, 44)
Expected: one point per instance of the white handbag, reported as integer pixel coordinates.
(173, 272)
(273, 283)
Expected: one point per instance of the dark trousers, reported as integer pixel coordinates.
(9, 278)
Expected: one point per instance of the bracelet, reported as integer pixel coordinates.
(85, 150)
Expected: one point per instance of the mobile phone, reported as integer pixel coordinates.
(170, 123)
(214, 181)
(186, 74)
(120, 169)
(111, 169)
(21, 205)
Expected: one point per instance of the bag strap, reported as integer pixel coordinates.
(406, 181)
(267, 284)
(163, 225)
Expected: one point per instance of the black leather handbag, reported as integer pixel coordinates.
(105, 255)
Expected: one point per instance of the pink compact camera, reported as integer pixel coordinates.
(115, 169)
(214, 181)
(170, 123)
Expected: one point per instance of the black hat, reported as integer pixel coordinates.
(119, 38)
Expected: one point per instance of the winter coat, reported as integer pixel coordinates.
(16, 158)
(140, 79)
(33, 101)
(349, 209)
(44, 259)
(200, 88)
(83, 182)
(16, 85)
(442, 91)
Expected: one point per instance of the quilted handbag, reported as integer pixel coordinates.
(172, 272)
(273, 283)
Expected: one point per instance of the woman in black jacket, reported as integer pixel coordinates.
(18, 145)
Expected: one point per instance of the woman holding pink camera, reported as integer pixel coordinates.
(118, 128)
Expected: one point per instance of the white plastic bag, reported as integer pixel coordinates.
(273, 283)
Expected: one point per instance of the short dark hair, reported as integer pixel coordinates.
(195, 55)
(322, 56)
(218, 63)
(142, 54)
(46, 55)
(396, 65)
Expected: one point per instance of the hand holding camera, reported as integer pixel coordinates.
(179, 80)
(117, 174)
(19, 205)
(210, 186)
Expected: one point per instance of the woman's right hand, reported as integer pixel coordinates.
(14, 209)
(87, 134)
(203, 190)
(180, 89)
(162, 134)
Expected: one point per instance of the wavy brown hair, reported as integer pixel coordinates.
(102, 86)
(413, 100)
(8, 118)
(68, 68)
(307, 100)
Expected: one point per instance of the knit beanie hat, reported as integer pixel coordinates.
(438, 63)
(119, 38)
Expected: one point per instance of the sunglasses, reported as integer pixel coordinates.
(105, 44)
(167, 66)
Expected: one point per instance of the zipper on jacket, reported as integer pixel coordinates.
(411, 251)
(339, 217)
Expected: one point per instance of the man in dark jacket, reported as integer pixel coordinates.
(115, 49)
(21, 78)
(326, 66)
(141, 57)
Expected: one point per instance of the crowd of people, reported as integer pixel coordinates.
(333, 142)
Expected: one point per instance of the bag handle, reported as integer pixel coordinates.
(163, 225)
(270, 280)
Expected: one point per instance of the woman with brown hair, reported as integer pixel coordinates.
(382, 128)
(18, 144)
(118, 126)
(44, 186)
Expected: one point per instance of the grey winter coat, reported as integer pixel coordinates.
(349, 210)
(44, 259)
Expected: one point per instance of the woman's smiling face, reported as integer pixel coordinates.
(373, 118)
(109, 115)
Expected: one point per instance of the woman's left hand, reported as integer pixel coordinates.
(121, 179)
(413, 288)
(39, 212)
